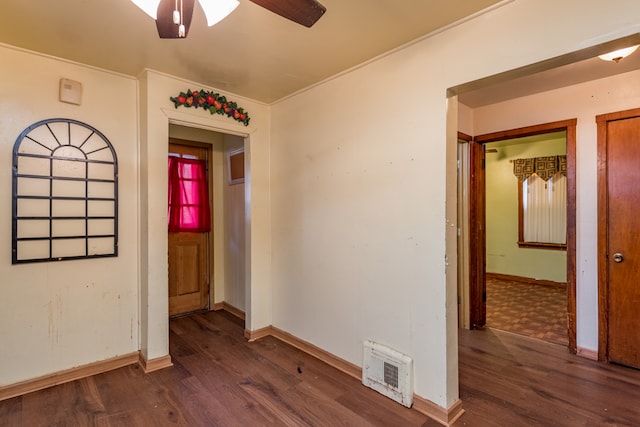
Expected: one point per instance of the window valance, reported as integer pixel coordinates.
(544, 167)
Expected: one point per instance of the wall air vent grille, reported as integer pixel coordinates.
(391, 375)
(389, 372)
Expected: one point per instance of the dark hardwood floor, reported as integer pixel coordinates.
(510, 380)
(219, 379)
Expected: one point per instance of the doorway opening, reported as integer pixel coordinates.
(207, 270)
(509, 143)
(526, 234)
(480, 105)
(190, 221)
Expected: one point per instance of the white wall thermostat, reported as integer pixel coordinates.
(70, 91)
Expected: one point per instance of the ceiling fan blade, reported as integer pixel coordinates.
(304, 12)
(166, 28)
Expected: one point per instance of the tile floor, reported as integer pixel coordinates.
(532, 310)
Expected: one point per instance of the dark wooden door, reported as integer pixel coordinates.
(620, 283)
(188, 257)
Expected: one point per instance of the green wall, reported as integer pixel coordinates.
(503, 254)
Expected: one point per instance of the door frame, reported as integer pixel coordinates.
(603, 227)
(464, 318)
(477, 237)
(477, 224)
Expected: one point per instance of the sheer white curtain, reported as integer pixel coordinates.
(545, 209)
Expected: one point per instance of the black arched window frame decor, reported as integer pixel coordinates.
(64, 193)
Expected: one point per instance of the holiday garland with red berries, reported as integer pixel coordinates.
(213, 102)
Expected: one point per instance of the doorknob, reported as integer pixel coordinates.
(618, 257)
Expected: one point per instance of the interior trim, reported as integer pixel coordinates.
(67, 375)
(154, 364)
(446, 417)
(587, 353)
(258, 333)
(230, 309)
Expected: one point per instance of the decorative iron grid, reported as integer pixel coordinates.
(64, 193)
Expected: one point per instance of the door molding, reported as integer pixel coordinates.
(479, 251)
(477, 237)
(603, 227)
(464, 210)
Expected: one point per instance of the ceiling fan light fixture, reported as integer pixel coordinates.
(150, 7)
(172, 22)
(217, 10)
(619, 54)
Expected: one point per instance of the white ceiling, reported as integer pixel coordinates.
(253, 52)
(257, 54)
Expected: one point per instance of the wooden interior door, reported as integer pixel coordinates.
(188, 257)
(619, 281)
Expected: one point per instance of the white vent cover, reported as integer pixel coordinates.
(389, 372)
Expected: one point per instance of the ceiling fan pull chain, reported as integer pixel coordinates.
(176, 15)
(181, 29)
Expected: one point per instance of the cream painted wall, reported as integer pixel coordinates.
(59, 315)
(362, 173)
(583, 101)
(465, 119)
(503, 254)
(235, 225)
(51, 320)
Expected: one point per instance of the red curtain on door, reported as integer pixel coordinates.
(188, 196)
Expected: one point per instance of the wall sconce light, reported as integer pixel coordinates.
(619, 54)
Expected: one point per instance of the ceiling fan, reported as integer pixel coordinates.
(173, 17)
(303, 12)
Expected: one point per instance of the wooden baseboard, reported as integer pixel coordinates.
(323, 355)
(154, 364)
(529, 280)
(258, 333)
(61, 377)
(229, 308)
(444, 416)
(587, 353)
